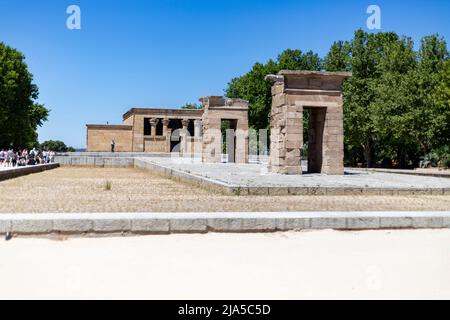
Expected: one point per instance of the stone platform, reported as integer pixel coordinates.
(254, 179)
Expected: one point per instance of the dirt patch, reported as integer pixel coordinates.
(70, 189)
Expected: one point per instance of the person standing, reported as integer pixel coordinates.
(9, 157)
(113, 145)
(51, 156)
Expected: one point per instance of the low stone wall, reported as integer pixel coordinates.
(95, 161)
(103, 159)
(22, 171)
(110, 154)
(166, 223)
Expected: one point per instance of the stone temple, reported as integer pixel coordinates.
(188, 131)
(295, 94)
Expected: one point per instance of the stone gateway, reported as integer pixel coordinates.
(319, 94)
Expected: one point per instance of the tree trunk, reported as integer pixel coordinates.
(368, 155)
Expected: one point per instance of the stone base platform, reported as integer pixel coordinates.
(101, 224)
(254, 179)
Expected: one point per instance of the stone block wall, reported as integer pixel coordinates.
(286, 134)
(156, 144)
(99, 137)
(333, 140)
(138, 133)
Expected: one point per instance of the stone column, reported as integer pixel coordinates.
(183, 136)
(165, 123)
(153, 124)
(197, 128)
(166, 133)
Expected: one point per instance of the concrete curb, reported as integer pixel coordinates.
(166, 223)
(22, 171)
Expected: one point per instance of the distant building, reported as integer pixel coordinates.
(176, 130)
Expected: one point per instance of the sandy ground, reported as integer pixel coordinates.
(326, 264)
(83, 190)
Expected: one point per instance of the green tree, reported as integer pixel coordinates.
(338, 58)
(441, 100)
(431, 122)
(297, 60)
(253, 87)
(20, 115)
(389, 109)
(192, 106)
(56, 145)
(393, 102)
(359, 93)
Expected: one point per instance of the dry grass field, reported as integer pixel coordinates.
(71, 189)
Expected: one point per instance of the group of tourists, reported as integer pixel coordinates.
(21, 158)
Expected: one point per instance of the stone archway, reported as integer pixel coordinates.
(216, 110)
(293, 92)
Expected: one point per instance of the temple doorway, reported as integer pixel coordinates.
(228, 129)
(314, 123)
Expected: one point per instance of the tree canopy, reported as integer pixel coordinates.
(389, 109)
(253, 87)
(20, 115)
(194, 106)
(56, 145)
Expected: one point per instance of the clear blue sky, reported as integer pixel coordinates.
(166, 53)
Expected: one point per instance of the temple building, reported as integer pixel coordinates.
(193, 131)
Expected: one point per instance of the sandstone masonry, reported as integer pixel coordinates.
(319, 93)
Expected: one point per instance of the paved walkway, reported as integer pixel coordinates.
(407, 264)
(256, 175)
